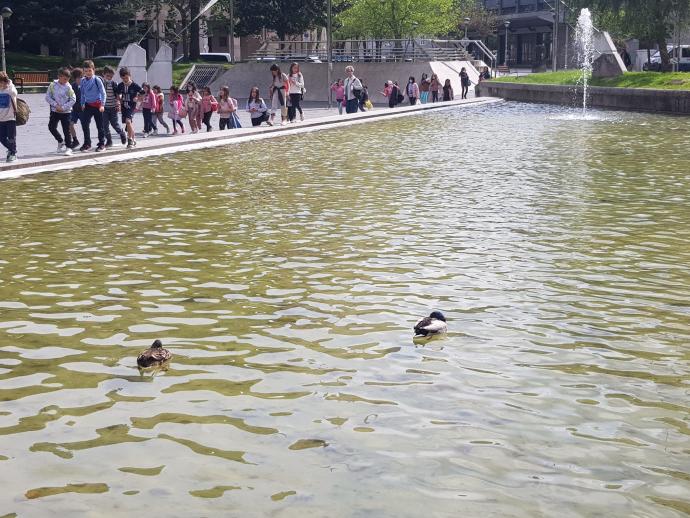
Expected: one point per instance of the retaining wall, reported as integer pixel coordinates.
(630, 99)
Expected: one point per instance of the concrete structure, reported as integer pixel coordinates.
(134, 58)
(629, 99)
(242, 77)
(611, 63)
(173, 144)
(606, 65)
(160, 71)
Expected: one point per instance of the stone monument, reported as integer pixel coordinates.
(134, 58)
(160, 71)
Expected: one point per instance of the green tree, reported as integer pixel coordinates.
(102, 24)
(282, 16)
(398, 19)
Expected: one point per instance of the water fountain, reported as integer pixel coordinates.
(584, 34)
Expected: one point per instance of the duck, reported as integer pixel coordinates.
(434, 324)
(154, 355)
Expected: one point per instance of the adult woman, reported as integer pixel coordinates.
(257, 108)
(278, 93)
(434, 87)
(465, 82)
(412, 91)
(295, 91)
(424, 85)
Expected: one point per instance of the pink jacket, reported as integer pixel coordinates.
(412, 90)
(150, 102)
(339, 91)
(207, 103)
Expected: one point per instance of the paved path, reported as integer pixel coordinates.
(36, 146)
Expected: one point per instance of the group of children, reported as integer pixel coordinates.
(79, 96)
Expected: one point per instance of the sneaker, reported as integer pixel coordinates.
(194, 131)
(144, 135)
(67, 152)
(123, 139)
(99, 148)
(109, 144)
(85, 147)
(174, 132)
(75, 144)
(155, 132)
(11, 157)
(134, 143)
(270, 123)
(130, 144)
(61, 148)
(301, 117)
(167, 131)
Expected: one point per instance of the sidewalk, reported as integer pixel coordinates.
(36, 146)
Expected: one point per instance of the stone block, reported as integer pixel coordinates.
(160, 71)
(134, 58)
(606, 65)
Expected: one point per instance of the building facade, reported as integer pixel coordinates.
(530, 32)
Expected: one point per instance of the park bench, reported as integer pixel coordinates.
(504, 70)
(31, 78)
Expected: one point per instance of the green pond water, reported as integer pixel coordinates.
(286, 275)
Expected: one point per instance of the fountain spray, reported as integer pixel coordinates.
(585, 52)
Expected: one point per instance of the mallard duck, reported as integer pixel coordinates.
(434, 324)
(154, 355)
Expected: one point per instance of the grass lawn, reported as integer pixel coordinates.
(660, 80)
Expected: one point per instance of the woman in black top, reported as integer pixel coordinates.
(465, 82)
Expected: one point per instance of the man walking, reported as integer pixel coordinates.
(353, 90)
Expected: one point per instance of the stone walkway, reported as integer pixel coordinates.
(37, 148)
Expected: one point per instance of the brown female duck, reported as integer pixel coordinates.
(154, 355)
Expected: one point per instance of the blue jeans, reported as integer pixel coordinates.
(352, 105)
(110, 120)
(8, 136)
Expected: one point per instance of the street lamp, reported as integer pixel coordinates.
(505, 57)
(467, 22)
(329, 43)
(6, 12)
(414, 32)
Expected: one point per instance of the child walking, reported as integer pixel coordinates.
(92, 105)
(208, 106)
(175, 107)
(257, 108)
(193, 105)
(112, 109)
(75, 78)
(148, 105)
(61, 98)
(448, 94)
(160, 108)
(8, 117)
(128, 91)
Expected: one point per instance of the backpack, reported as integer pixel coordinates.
(21, 112)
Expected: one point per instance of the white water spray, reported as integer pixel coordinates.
(585, 52)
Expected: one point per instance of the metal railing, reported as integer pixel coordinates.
(380, 51)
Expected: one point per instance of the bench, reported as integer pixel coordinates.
(31, 78)
(504, 70)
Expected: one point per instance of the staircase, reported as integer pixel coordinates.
(202, 75)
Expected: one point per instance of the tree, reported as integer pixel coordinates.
(482, 21)
(397, 19)
(103, 24)
(648, 20)
(282, 16)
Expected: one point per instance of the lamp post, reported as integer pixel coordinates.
(329, 51)
(232, 31)
(6, 12)
(467, 22)
(554, 39)
(414, 32)
(505, 56)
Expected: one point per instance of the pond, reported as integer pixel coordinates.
(286, 275)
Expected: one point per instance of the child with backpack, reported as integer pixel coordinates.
(92, 105)
(160, 108)
(112, 108)
(148, 106)
(128, 91)
(208, 106)
(8, 116)
(176, 109)
(61, 98)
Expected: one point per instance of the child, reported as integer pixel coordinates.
(148, 106)
(160, 104)
(112, 108)
(338, 89)
(448, 91)
(175, 107)
(208, 106)
(8, 118)
(193, 105)
(92, 105)
(75, 78)
(61, 97)
(257, 108)
(128, 91)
